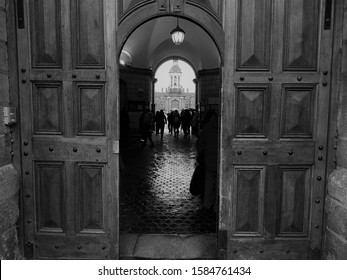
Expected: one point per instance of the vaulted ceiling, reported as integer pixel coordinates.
(150, 44)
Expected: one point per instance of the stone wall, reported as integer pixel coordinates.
(5, 142)
(9, 186)
(9, 213)
(138, 84)
(335, 243)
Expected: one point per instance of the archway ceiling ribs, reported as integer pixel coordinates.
(151, 43)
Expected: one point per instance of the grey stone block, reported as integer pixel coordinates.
(8, 245)
(337, 185)
(336, 217)
(8, 183)
(335, 247)
(9, 214)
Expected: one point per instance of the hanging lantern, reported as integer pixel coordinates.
(177, 35)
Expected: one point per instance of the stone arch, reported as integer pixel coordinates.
(149, 11)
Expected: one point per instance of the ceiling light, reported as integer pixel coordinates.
(177, 35)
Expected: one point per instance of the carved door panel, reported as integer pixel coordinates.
(66, 53)
(274, 128)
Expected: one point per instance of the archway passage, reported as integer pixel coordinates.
(154, 193)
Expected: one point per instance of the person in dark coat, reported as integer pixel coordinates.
(176, 123)
(156, 119)
(208, 148)
(160, 123)
(148, 127)
(170, 122)
(186, 119)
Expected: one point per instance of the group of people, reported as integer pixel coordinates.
(186, 121)
(207, 144)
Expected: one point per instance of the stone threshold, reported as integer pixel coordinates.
(168, 246)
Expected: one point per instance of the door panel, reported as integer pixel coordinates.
(88, 33)
(90, 204)
(253, 51)
(67, 144)
(248, 200)
(47, 102)
(301, 35)
(50, 190)
(293, 206)
(252, 107)
(90, 109)
(274, 152)
(46, 40)
(297, 111)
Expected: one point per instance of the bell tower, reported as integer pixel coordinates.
(175, 77)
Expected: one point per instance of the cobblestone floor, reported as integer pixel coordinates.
(154, 194)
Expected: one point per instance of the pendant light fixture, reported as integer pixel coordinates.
(177, 35)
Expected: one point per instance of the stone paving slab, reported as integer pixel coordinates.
(169, 246)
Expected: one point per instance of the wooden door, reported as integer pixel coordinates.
(274, 128)
(69, 116)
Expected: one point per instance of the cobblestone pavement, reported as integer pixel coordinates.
(154, 194)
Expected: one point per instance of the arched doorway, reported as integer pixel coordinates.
(190, 53)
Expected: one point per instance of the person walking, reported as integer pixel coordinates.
(160, 123)
(194, 124)
(186, 119)
(170, 122)
(176, 123)
(156, 119)
(148, 127)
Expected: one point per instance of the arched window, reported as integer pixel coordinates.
(174, 104)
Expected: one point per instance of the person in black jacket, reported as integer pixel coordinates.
(160, 123)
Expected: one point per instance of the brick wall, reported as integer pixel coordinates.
(335, 243)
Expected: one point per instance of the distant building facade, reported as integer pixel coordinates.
(174, 97)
